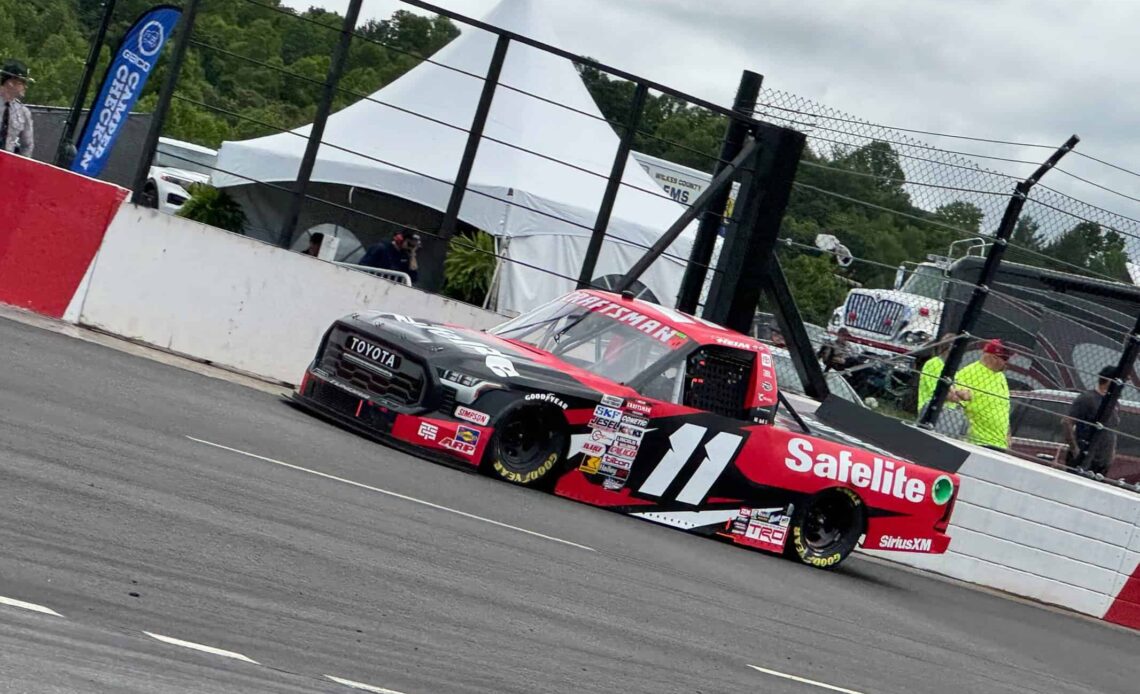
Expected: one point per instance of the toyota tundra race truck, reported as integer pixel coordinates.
(629, 406)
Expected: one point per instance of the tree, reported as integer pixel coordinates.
(965, 216)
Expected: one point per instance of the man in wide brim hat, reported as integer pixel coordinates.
(16, 133)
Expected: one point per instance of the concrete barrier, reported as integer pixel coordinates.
(234, 301)
(1043, 534)
(51, 224)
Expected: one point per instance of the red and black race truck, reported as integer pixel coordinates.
(630, 406)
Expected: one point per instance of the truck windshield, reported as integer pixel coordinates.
(615, 344)
(926, 281)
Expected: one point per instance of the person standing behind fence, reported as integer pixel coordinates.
(16, 134)
(1078, 431)
(398, 254)
(952, 421)
(987, 401)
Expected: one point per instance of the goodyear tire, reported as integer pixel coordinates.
(826, 528)
(529, 445)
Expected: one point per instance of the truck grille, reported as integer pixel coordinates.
(401, 386)
(719, 380)
(881, 316)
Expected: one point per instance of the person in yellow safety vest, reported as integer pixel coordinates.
(952, 421)
(986, 398)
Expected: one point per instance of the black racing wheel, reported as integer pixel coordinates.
(529, 444)
(826, 527)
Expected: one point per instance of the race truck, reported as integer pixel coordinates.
(626, 405)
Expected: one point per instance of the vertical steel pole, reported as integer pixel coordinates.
(434, 251)
(1108, 403)
(182, 41)
(65, 137)
(637, 107)
(989, 270)
(309, 160)
(737, 130)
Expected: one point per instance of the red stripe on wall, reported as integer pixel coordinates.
(51, 224)
(1126, 609)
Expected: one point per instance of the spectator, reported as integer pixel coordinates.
(841, 354)
(951, 421)
(15, 119)
(315, 242)
(985, 396)
(1078, 431)
(398, 254)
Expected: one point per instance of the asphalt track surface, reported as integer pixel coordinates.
(115, 520)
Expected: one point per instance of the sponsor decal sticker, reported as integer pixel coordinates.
(590, 465)
(618, 463)
(766, 360)
(473, 416)
(639, 407)
(458, 446)
(603, 412)
(738, 344)
(602, 436)
(593, 448)
(467, 435)
(623, 451)
(428, 432)
(630, 420)
(912, 544)
(882, 475)
(612, 401)
(663, 333)
(548, 397)
(614, 471)
(767, 386)
(633, 432)
(613, 483)
(604, 424)
(627, 441)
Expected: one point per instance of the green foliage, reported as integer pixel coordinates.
(814, 285)
(267, 80)
(469, 267)
(215, 207)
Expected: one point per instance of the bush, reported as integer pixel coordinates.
(469, 267)
(215, 207)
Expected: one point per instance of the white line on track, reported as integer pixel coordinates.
(200, 647)
(393, 494)
(786, 676)
(365, 687)
(28, 606)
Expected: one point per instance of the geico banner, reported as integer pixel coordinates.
(134, 60)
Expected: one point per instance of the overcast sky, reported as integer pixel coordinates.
(1026, 71)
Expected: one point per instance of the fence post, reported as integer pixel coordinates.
(973, 311)
(602, 222)
(1108, 403)
(433, 252)
(158, 118)
(336, 69)
(701, 255)
(68, 133)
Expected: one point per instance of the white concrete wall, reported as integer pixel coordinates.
(234, 301)
(1039, 533)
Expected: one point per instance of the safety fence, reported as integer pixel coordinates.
(886, 237)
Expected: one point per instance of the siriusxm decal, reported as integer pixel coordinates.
(126, 76)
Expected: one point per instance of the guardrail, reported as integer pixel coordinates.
(391, 275)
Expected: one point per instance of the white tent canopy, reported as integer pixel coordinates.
(408, 138)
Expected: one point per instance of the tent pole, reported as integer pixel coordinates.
(336, 69)
(602, 222)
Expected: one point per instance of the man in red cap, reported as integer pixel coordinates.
(986, 396)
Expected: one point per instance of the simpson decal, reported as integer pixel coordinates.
(473, 416)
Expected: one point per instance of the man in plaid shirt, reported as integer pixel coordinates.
(15, 119)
